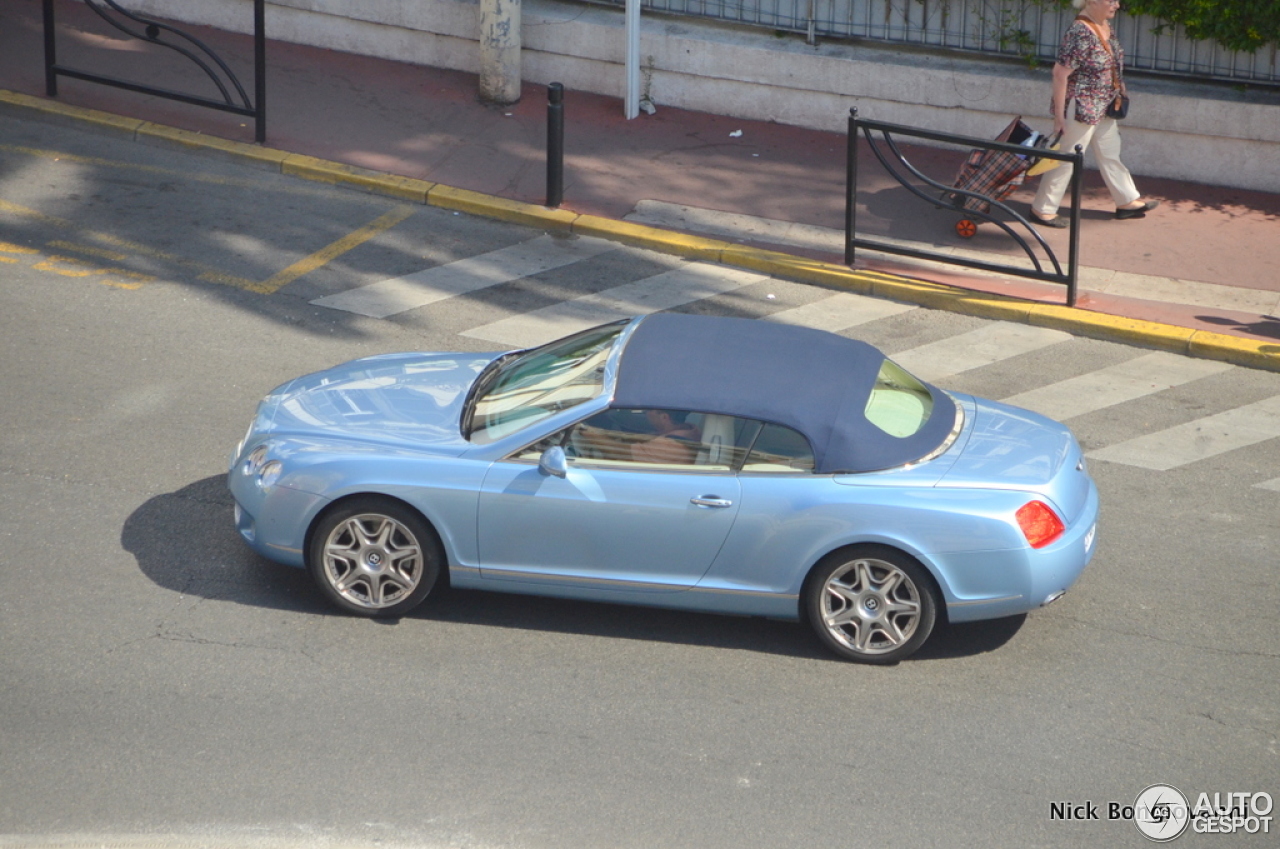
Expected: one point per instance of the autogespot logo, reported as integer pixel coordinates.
(1161, 813)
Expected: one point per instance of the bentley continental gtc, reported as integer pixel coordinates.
(712, 464)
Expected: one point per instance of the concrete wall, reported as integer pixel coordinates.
(1210, 134)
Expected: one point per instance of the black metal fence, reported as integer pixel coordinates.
(165, 35)
(1016, 28)
(980, 200)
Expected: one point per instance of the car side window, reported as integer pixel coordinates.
(779, 449)
(650, 439)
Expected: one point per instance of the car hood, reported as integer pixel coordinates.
(1013, 448)
(404, 399)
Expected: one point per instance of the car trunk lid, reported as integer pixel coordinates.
(1013, 448)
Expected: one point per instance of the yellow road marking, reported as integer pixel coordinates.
(326, 255)
(138, 279)
(11, 248)
(67, 267)
(88, 251)
(205, 272)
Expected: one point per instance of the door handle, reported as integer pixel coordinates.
(710, 501)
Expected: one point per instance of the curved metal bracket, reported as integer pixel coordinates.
(152, 33)
(233, 98)
(895, 162)
(952, 190)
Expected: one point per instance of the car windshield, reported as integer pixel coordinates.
(899, 404)
(540, 382)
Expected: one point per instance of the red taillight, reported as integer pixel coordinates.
(1040, 525)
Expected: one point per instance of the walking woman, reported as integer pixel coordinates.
(1089, 74)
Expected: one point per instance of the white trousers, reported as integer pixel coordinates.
(1103, 141)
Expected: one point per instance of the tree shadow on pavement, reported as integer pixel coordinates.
(185, 541)
(1266, 325)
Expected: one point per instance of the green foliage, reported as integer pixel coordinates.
(1242, 25)
(1009, 34)
(1236, 24)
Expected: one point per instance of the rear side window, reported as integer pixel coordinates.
(899, 404)
(779, 449)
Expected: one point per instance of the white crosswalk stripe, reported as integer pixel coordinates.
(389, 297)
(1199, 439)
(1132, 379)
(988, 344)
(839, 312)
(1273, 484)
(693, 282)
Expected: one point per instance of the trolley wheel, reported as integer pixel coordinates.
(966, 229)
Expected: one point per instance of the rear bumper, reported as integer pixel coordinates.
(1037, 576)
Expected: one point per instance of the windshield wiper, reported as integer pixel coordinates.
(482, 382)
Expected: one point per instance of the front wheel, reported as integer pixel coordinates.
(374, 556)
(871, 604)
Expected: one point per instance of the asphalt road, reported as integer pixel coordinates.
(164, 686)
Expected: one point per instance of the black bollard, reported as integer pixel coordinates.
(555, 144)
(851, 185)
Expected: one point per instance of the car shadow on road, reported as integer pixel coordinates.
(185, 541)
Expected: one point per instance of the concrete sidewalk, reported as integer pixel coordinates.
(1203, 264)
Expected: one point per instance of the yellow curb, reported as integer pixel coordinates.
(337, 173)
(200, 141)
(102, 120)
(653, 238)
(517, 212)
(797, 268)
(1234, 349)
(1111, 328)
(938, 297)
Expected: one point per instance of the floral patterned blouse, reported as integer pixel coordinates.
(1091, 83)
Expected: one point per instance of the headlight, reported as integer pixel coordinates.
(270, 473)
(235, 452)
(253, 463)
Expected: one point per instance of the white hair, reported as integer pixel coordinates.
(1078, 4)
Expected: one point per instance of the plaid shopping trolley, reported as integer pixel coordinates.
(993, 175)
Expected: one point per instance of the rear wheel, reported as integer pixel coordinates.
(871, 604)
(374, 556)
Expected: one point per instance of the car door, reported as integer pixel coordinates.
(648, 514)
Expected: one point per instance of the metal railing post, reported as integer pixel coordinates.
(50, 52)
(1073, 245)
(260, 70)
(851, 186)
(555, 144)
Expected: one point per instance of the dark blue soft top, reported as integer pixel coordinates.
(815, 382)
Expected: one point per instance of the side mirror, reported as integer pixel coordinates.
(553, 462)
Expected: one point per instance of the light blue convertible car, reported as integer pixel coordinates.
(713, 464)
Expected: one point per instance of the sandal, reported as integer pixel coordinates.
(1136, 211)
(1057, 222)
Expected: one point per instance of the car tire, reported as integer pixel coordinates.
(374, 556)
(871, 604)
